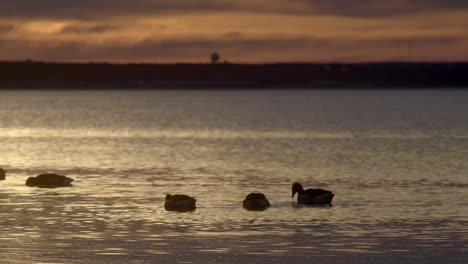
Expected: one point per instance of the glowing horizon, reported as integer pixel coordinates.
(257, 31)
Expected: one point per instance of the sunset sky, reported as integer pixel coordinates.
(244, 31)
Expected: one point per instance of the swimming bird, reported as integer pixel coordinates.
(179, 202)
(256, 201)
(2, 174)
(49, 180)
(311, 196)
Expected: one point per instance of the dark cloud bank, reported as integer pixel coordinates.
(99, 9)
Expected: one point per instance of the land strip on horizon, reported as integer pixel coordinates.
(55, 75)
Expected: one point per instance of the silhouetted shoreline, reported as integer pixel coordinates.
(49, 75)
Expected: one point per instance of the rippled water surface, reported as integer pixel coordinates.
(396, 160)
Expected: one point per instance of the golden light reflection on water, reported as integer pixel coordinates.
(399, 194)
(217, 134)
(202, 134)
(107, 223)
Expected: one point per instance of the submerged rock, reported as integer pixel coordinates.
(49, 180)
(179, 202)
(256, 202)
(2, 174)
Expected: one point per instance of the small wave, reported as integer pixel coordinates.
(197, 134)
(214, 134)
(410, 184)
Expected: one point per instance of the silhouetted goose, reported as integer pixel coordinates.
(49, 180)
(256, 201)
(2, 174)
(311, 196)
(179, 202)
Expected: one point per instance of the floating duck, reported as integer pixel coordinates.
(49, 180)
(256, 201)
(311, 196)
(179, 202)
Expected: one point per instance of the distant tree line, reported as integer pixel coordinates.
(40, 75)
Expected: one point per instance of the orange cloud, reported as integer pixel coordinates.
(239, 37)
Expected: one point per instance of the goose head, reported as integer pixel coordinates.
(296, 188)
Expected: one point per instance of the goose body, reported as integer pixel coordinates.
(49, 180)
(179, 202)
(311, 196)
(256, 201)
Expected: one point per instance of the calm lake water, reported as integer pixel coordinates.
(396, 160)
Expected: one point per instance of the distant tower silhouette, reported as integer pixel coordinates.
(215, 58)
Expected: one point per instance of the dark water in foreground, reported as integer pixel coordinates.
(396, 160)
